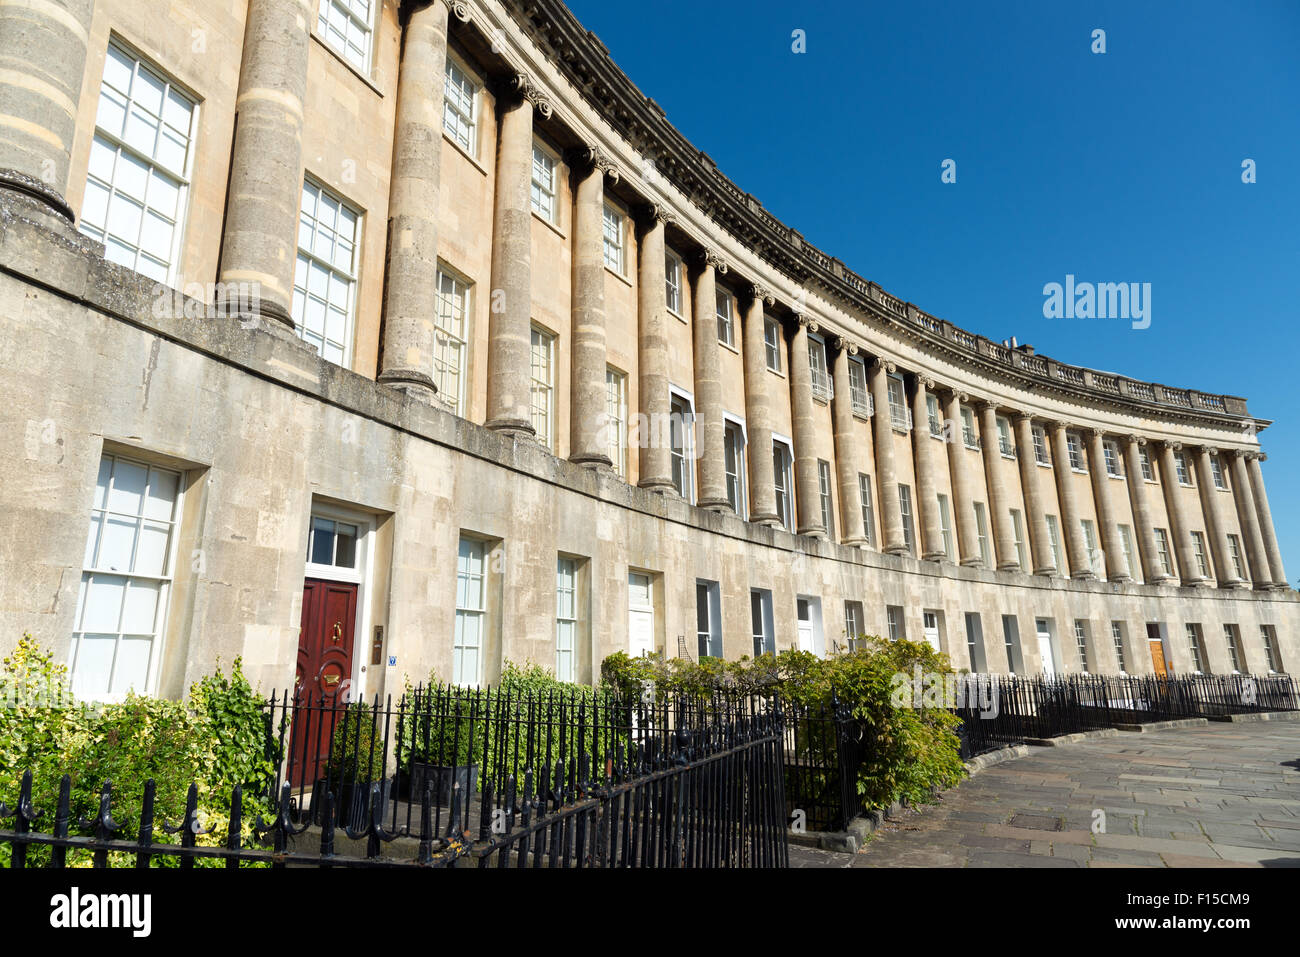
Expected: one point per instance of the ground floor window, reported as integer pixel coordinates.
(126, 579)
(471, 612)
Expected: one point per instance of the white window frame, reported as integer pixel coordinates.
(1234, 550)
(708, 643)
(1081, 642)
(783, 471)
(106, 139)
(724, 307)
(1181, 470)
(1216, 470)
(616, 416)
(1162, 551)
(614, 234)
(466, 565)
(1194, 646)
(685, 458)
(309, 258)
(446, 340)
(542, 389)
(1232, 638)
(1272, 656)
(826, 497)
(1201, 553)
(344, 9)
(900, 416)
(1074, 449)
(464, 129)
(933, 416)
(1095, 560)
(868, 508)
(1110, 451)
(772, 344)
(101, 520)
(1144, 460)
(764, 633)
(859, 393)
(982, 534)
(1117, 636)
(905, 513)
(1130, 557)
(1054, 539)
(673, 273)
(1018, 530)
(945, 526)
(736, 478)
(1040, 446)
(822, 388)
(969, 435)
(1006, 442)
(566, 618)
(544, 193)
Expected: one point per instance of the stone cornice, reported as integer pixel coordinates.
(580, 57)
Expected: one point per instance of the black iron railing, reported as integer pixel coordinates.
(999, 710)
(574, 779)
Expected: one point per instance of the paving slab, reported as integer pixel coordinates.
(1199, 796)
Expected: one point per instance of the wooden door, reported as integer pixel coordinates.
(325, 646)
(1158, 657)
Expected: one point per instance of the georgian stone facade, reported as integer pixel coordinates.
(522, 375)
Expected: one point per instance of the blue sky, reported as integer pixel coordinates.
(1117, 167)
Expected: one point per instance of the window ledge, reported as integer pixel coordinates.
(1078, 471)
(347, 65)
(676, 315)
(729, 347)
(465, 153)
(547, 223)
(1112, 475)
(619, 276)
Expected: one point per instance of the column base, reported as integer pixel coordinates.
(935, 556)
(512, 427)
(1197, 583)
(410, 381)
(770, 519)
(592, 460)
(716, 505)
(858, 542)
(900, 550)
(30, 186)
(1048, 572)
(1008, 566)
(657, 485)
(1083, 577)
(1120, 580)
(1162, 580)
(971, 562)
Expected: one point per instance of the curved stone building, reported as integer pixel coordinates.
(369, 339)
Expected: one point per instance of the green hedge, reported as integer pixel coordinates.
(914, 749)
(218, 739)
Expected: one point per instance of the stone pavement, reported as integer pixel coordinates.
(1226, 795)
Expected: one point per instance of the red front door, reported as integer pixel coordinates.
(324, 673)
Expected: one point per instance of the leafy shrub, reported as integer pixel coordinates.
(357, 748)
(217, 740)
(912, 749)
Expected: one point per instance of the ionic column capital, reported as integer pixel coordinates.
(521, 84)
(957, 394)
(1018, 417)
(457, 9)
(1210, 450)
(1097, 433)
(1056, 425)
(762, 294)
(1134, 439)
(880, 362)
(593, 159)
(1173, 446)
(925, 382)
(844, 345)
(806, 320)
(652, 213)
(708, 256)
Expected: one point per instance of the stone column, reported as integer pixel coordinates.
(259, 250)
(927, 485)
(1076, 547)
(656, 472)
(411, 279)
(588, 406)
(1248, 516)
(1271, 550)
(1039, 542)
(1117, 569)
(1153, 571)
(1190, 572)
(1215, 528)
(509, 326)
(807, 490)
(891, 519)
(963, 504)
(846, 447)
(42, 60)
(1004, 535)
(710, 427)
(758, 412)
